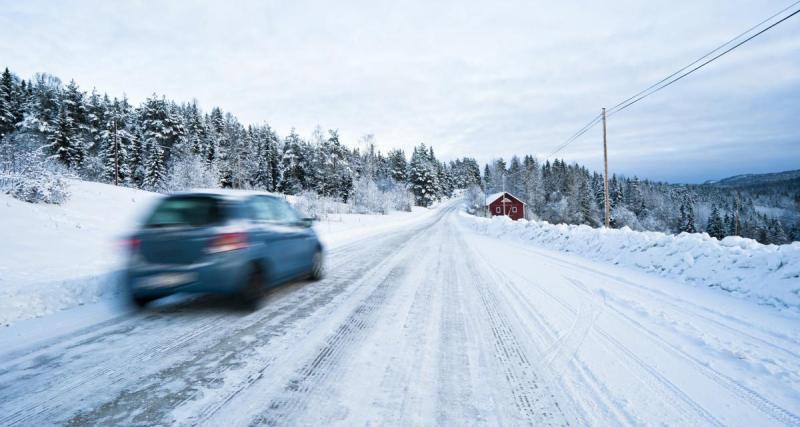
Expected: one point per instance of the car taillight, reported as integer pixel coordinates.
(132, 244)
(227, 242)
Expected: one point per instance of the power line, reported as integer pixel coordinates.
(577, 135)
(671, 79)
(707, 54)
(639, 98)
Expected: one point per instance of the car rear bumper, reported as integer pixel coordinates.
(220, 274)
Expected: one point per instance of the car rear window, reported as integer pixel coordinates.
(193, 211)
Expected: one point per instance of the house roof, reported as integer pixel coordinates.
(492, 197)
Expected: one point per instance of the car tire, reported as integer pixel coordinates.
(142, 301)
(253, 291)
(317, 267)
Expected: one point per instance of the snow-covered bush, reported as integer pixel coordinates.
(191, 172)
(625, 218)
(312, 205)
(34, 179)
(367, 198)
(400, 199)
(42, 187)
(474, 200)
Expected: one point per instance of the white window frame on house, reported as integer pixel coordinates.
(514, 209)
(497, 209)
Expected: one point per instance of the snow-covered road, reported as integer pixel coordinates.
(433, 324)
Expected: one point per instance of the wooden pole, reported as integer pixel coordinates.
(116, 154)
(503, 200)
(605, 175)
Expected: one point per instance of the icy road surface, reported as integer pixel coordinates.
(431, 325)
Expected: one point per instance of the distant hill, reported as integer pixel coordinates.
(754, 180)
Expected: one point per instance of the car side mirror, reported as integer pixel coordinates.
(305, 222)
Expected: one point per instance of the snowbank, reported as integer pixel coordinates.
(767, 274)
(56, 257)
(59, 256)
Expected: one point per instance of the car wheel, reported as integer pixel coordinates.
(253, 290)
(142, 301)
(317, 266)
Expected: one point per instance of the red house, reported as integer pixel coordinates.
(505, 204)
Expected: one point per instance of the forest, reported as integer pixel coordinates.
(49, 131)
(765, 209)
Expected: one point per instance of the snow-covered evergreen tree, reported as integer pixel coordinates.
(686, 223)
(715, 227)
(7, 113)
(422, 177)
(398, 166)
(155, 169)
(293, 172)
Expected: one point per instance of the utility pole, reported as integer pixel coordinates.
(503, 202)
(605, 175)
(116, 154)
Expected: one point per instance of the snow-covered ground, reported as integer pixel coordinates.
(431, 322)
(766, 274)
(57, 257)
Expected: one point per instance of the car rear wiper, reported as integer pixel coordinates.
(165, 224)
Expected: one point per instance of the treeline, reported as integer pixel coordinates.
(162, 146)
(48, 130)
(569, 193)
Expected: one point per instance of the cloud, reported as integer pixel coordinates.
(484, 79)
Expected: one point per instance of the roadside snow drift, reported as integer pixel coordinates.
(767, 274)
(60, 256)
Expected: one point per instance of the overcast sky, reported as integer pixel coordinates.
(481, 79)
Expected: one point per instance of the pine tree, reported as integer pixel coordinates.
(96, 110)
(115, 140)
(635, 198)
(514, 178)
(687, 224)
(293, 173)
(262, 178)
(715, 227)
(7, 101)
(155, 170)
(422, 177)
(776, 235)
(398, 166)
(66, 141)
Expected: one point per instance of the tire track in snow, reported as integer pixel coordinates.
(774, 411)
(297, 391)
(58, 393)
(651, 373)
(409, 357)
(455, 395)
(530, 392)
(262, 332)
(666, 300)
(601, 393)
(322, 366)
(768, 408)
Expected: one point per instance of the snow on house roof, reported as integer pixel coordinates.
(492, 197)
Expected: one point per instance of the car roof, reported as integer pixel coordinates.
(226, 193)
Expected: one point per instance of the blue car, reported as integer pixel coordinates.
(220, 242)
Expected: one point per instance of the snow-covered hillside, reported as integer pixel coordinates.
(767, 274)
(55, 257)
